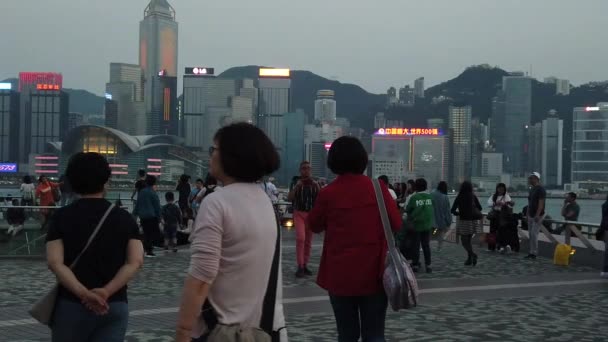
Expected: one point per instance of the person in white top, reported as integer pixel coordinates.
(500, 236)
(28, 191)
(234, 242)
(270, 189)
(384, 179)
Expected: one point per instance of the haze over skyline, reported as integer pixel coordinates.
(372, 44)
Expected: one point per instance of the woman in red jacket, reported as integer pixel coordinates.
(355, 248)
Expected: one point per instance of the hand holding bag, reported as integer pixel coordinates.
(42, 311)
(400, 283)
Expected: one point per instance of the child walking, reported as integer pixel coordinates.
(172, 218)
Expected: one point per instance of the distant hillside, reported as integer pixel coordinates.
(354, 102)
(81, 101)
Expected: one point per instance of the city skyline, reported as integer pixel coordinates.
(205, 40)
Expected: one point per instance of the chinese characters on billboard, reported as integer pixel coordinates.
(410, 131)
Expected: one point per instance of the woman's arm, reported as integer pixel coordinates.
(206, 250)
(455, 206)
(317, 218)
(65, 276)
(193, 296)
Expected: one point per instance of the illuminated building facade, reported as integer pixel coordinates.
(163, 118)
(161, 155)
(43, 114)
(274, 101)
(404, 153)
(157, 45)
(590, 144)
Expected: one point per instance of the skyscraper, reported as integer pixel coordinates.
(294, 146)
(552, 150)
(163, 118)
(407, 96)
(274, 101)
(419, 87)
(590, 144)
(460, 136)
(201, 92)
(512, 112)
(9, 123)
(43, 114)
(533, 148)
(325, 106)
(157, 45)
(127, 113)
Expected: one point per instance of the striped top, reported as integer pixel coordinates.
(305, 197)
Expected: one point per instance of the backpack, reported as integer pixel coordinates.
(27, 195)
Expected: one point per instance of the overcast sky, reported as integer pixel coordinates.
(373, 43)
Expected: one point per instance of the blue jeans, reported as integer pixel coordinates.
(72, 322)
(362, 316)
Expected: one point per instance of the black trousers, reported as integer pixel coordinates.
(467, 244)
(151, 233)
(422, 239)
(361, 316)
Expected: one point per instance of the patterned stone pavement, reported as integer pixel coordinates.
(504, 298)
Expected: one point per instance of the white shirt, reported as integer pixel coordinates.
(271, 191)
(233, 244)
(500, 201)
(393, 193)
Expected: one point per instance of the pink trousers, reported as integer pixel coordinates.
(303, 238)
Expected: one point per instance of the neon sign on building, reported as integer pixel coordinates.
(410, 131)
(47, 86)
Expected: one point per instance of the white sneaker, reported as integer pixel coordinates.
(509, 250)
(10, 230)
(502, 250)
(17, 229)
(604, 275)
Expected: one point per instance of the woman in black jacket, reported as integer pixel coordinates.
(467, 209)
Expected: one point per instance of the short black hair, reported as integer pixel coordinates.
(27, 179)
(573, 195)
(384, 179)
(466, 188)
(210, 180)
(246, 153)
(169, 197)
(150, 180)
(88, 173)
(347, 155)
(199, 180)
(421, 185)
(443, 187)
(141, 173)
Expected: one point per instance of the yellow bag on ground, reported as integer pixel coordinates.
(562, 255)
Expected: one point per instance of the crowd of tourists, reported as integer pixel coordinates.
(95, 248)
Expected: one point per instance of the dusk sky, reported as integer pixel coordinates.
(374, 44)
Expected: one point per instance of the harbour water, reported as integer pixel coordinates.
(591, 210)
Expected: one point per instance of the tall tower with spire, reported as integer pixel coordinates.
(157, 46)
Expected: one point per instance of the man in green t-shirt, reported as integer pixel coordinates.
(420, 213)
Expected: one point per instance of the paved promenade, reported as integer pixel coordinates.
(504, 298)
